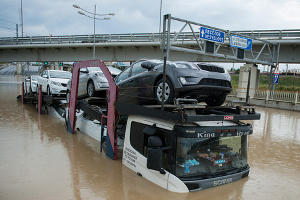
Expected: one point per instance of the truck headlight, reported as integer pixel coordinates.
(56, 83)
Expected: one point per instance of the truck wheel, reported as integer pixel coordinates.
(169, 92)
(215, 100)
(91, 89)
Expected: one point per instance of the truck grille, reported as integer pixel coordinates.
(215, 82)
(211, 68)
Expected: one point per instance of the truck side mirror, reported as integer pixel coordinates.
(154, 154)
(149, 130)
(154, 142)
(154, 160)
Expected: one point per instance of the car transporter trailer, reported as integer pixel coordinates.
(181, 147)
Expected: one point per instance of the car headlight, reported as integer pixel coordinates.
(185, 81)
(227, 75)
(56, 83)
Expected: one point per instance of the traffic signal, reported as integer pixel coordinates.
(61, 64)
(45, 63)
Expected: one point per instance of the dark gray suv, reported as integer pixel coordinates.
(142, 82)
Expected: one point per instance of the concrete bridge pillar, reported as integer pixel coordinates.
(243, 80)
(19, 70)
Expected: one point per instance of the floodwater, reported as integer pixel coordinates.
(40, 160)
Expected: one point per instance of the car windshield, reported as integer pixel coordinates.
(60, 74)
(186, 66)
(210, 156)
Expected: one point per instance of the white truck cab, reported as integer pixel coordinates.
(183, 157)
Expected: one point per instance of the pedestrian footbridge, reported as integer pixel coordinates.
(131, 47)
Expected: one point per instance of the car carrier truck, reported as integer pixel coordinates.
(184, 147)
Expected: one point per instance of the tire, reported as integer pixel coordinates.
(169, 92)
(48, 91)
(90, 89)
(215, 100)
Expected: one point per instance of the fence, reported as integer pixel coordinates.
(284, 96)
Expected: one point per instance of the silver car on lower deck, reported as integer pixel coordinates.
(92, 81)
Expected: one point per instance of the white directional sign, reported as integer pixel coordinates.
(241, 42)
(212, 35)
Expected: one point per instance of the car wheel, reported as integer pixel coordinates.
(48, 90)
(169, 91)
(91, 89)
(215, 100)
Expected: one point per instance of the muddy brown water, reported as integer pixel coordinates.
(40, 160)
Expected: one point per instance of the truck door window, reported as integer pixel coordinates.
(137, 136)
(139, 141)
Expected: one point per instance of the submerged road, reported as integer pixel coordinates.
(40, 160)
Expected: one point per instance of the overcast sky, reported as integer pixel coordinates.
(58, 17)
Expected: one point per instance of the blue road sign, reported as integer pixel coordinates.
(212, 35)
(241, 42)
(276, 79)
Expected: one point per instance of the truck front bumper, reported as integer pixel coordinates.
(195, 185)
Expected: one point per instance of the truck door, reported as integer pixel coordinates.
(135, 155)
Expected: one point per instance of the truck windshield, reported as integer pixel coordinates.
(196, 157)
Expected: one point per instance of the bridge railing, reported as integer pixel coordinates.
(140, 37)
(272, 34)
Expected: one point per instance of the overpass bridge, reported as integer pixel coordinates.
(131, 47)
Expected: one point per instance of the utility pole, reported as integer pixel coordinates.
(160, 16)
(93, 15)
(22, 16)
(17, 32)
(94, 46)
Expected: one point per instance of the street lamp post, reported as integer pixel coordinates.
(160, 16)
(94, 14)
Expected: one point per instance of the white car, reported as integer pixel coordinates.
(31, 83)
(54, 82)
(92, 80)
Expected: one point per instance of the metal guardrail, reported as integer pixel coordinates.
(283, 96)
(292, 97)
(141, 37)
